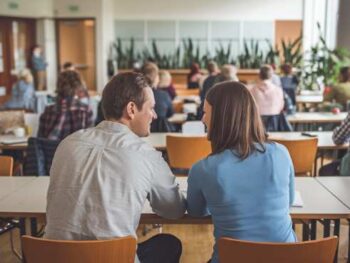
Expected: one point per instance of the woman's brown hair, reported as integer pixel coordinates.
(235, 121)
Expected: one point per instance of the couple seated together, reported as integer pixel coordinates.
(101, 176)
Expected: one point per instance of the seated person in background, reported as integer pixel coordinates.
(100, 192)
(165, 83)
(194, 77)
(340, 93)
(247, 183)
(341, 135)
(289, 82)
(68, 66)
(163, 107)
(269, 98)
(68, 114)
(213, 71)
(228, 72)
(274, 77)
(23, 93)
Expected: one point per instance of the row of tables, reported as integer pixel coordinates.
(297, 118)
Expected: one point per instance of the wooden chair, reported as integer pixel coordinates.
(184, 151)
(315, 251)
(6, 165)
(178, 106)
(39, 250)
(303, 153)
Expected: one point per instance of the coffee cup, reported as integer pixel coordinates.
(19, 132)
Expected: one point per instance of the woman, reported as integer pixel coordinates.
(163, 106)
(247, 183)
(23, 95)
(165, 83)
(68, 114)
(194, 77)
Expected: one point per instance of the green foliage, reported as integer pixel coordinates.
(292, 52)
(223, 56)
(323, 64)
(252, 56)
(272, 56)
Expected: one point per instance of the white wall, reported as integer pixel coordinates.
(343, 38)
(208, 9)
(27, 8)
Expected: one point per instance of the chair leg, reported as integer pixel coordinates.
(14, 251)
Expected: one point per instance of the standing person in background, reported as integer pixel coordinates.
(23, 94)
(39, 68)
(165, 83)
(194, 77)
(274, 77)
(340, 93)
(289, 82)
(247, 183)
(68, 114)
(163, 106)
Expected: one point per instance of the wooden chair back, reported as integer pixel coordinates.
(6, 165)
(315, 251)
(178, 106)
(184, 151)
(39, 250)
(303, 153)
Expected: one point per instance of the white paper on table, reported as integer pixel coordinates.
(298, 201)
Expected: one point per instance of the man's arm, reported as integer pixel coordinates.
(165, 197)
(341, 134)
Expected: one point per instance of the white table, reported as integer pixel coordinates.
(28, 199)
(325, 142)
(316, 117)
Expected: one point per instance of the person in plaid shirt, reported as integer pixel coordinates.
(68, 114)
(341, 134)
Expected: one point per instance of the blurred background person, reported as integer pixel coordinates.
(23, 93)
(289, 82)
(39, 68)
(68, 114)
(213, 71)
(340, 93)
(194, 77)
(163, 106)
(68, 66)
(269, 99)
(165, 83)
(228, 72)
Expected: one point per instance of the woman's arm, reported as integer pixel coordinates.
(196, 203)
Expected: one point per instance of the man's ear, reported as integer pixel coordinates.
(130, 109)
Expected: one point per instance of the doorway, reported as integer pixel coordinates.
(17, 38)
(76, 44)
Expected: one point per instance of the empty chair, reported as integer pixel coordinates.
(184, 151)
(303, 153)
(39, 250)
(316, 251)
(6, 165)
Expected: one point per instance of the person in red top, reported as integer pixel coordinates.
(68, 114)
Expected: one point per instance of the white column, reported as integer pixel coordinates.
(45, 34)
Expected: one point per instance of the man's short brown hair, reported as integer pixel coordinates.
(151, 71)
(68, 83)
(120, 90)
(265, 72)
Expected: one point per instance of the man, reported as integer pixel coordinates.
(101, 177)
(39, 68)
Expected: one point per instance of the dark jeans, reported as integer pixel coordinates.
(162, 248)
(330, 169)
